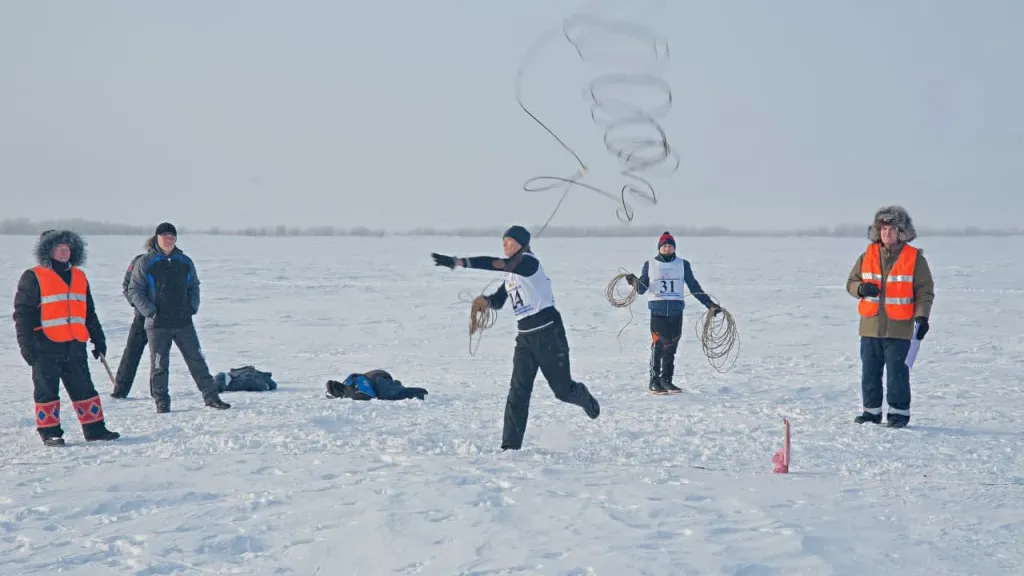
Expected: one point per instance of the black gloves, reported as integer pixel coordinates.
(29, 355)
(631, 279)
(99, 349)
(715, 310)
(867, 290)
(922, 328)
(442, 260)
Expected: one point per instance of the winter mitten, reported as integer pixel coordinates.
(868, 290)
(922, 326)
(442, 260)
(715, 310)
(631, 279)
(99, 349)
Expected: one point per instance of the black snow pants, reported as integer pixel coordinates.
(130, 358)
(546, 349)
(73, 369)
(187, 341)
(666, 331)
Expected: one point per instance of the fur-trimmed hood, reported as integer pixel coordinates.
(896, 216)
(50, 238)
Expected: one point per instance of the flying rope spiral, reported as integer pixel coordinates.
(619, 118)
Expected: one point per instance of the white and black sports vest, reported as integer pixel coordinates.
(529, 294)
(665, 280)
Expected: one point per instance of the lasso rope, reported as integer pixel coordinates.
(620, 119)
(718, 334)
(481, 317)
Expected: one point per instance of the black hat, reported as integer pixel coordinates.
(166, 228)
(519, 234)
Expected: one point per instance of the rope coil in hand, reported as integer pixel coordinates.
(481, 317)
(717, 333)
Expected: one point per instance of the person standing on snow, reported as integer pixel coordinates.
(54, 317)
(541, 342)
(895, 287)
(136, 344)
(662, 279)
(164, 287)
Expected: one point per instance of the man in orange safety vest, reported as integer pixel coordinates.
(894, 284)
(54, 317)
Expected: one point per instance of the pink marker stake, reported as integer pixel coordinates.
(780, 461)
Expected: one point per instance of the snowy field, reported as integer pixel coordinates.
(289, 482)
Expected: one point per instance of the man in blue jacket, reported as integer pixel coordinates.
(164, 288)
(662, 278)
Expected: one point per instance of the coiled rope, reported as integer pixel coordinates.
(481, 316)
(620, 119)
(718, 334)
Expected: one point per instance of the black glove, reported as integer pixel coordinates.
(922, 328)
(99, 349)
(442, 260)
(715, 310)
(868, 290)
(29, 355)
(631, 279)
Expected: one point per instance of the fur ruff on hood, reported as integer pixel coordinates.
(895, 216)
(50, 238)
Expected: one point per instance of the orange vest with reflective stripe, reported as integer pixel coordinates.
(62, 308)
(898, 292)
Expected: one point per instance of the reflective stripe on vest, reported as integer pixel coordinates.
(62, 308)
(898, 289)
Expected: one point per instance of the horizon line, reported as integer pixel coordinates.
(26, 227)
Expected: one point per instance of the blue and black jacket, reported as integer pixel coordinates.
(165, 288)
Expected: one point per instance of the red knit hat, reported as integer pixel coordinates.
(666, 238)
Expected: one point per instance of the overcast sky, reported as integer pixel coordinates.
(788, 113)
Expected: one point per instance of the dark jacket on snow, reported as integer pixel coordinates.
(127, 282)
(27, 301)
(164, 288)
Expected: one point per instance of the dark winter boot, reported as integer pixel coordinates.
(97, 431)
(163, 407)
(53, 441)
(118, 393)
(896, 421)
(669, 386)
(868, 417)
(668, 369)
(214, 401)
(654, 371)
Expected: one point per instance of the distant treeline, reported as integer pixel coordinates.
(23, 226)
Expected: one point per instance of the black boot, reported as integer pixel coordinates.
(98, 431)
(53, 441)
(896, 421)
(868, 417)
(668, 368)
(654, 371)
(214, 401)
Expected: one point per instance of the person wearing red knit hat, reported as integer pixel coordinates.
(662, 279)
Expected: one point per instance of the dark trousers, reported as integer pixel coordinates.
(888, 354)
(131, 356)
(187, 342)
(666, 331)
(47, 374)
(546, 349)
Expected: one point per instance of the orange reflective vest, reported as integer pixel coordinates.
(898, 291)
(62, 308)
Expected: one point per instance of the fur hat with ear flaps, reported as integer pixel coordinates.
(895, 216)
(50, 238)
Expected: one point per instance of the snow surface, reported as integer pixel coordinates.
(289, 482)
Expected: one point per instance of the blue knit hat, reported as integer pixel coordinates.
(519, 234)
